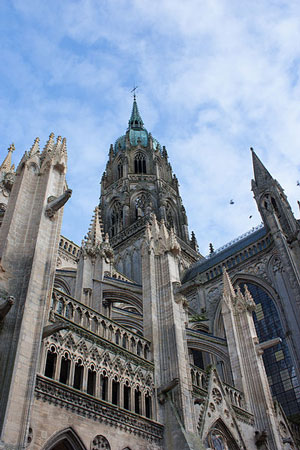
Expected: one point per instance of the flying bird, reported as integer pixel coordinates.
(298, 183)
(250, 217)
(231, 202)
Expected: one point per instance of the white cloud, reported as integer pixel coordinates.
(216, 78)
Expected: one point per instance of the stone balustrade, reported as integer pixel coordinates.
(199, 377)
(236, 397)
(69, 247)
(86, 317)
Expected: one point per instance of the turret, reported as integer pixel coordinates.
(272, 201)
(95, 261)
(139, 181)
(29, 238)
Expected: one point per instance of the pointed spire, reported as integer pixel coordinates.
(228, 290)
(135, 121)
(49, 145)
(261, 174)
(6, 165)
(94, 236)
(35, 147)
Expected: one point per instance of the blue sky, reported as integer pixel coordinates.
(215, 78)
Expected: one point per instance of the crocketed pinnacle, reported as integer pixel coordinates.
(35, 147)
(135, 121)
(94, 236)
(6, 165)
(261, 174)
(228, 290)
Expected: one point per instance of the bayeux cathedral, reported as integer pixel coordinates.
(133, 340)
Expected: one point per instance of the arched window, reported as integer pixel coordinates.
(170, 217)
(69, 311)
(137, 401)
(78, 375)
(116, 219)
(50, 363)
(100, 443)
(104, 386)
(120, 170)
(219, 438)
(64, 369)
(115, 391)
(148, 405)
(91, 381)
(277, 359)
(139, 163)
(127, 391)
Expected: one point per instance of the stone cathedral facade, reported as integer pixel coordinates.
(133, 340)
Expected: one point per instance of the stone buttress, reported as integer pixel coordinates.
(28, 250)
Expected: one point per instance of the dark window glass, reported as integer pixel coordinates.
(277, 359)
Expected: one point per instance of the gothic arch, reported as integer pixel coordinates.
(140, 162)
(115, 212)
(261, 283)
(171, 215)
(66, 439)
(278, 360)
(219, 353)
(141, 204)
(100, 443)
(245, 278)
(62, 285)
(219, 437)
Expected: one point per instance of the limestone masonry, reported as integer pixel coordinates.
(133, 340)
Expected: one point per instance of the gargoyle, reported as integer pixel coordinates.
(5, 307)
(163, 390)
(261, 439)
(53, 328)
(55, 203)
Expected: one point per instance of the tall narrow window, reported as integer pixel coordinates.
(120, 170)
(50, 363)
(116, 219)
(78, 375)
(139, 349)
(139, 163)
(115, 391)
(137, 401)
(127, 391)
(148, 405)
(104, 386)
(64, 369)
(91, 382)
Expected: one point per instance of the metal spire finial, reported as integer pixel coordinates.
(134, 92)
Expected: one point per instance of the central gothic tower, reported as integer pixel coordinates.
(138, 181)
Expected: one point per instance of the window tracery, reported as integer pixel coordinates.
(116, 219)
(100, 443)
(140, 163)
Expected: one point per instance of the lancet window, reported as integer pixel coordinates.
(116, 219)
(139, 163)
(130, 392)
(120, 170)
(170, 217)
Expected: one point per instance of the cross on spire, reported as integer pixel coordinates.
(134, 92)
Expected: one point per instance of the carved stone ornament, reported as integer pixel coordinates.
(277, 265)
(217, 396)
(100, 443)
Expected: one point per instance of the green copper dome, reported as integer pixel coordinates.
(136, 132)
